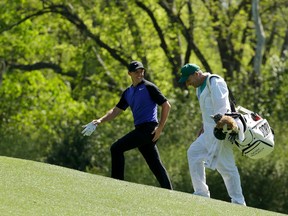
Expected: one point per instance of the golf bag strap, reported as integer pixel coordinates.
(231, 97)
(238, 115)
(232, 100)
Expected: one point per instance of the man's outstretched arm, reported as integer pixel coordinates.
(110, 115)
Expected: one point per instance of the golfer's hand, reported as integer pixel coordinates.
(89, 128)
(96, 121)
(157, 132)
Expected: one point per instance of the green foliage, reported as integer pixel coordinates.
(36, 111)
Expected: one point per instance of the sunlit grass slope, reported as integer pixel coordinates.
(32, 188)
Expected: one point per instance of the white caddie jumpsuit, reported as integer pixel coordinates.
(207, 151)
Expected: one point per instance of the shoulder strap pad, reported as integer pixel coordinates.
(231, 98)
(208, 80)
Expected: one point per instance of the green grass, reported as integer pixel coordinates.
(33, 188)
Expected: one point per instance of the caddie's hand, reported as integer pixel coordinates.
(157, 132)
(89, 128)
(232, 137)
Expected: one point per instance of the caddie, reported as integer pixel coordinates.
(207, 151)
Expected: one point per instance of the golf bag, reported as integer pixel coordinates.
(258, 139)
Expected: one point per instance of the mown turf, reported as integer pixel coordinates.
(32, 188)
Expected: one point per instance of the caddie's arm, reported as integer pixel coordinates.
(110, 115)
(165, 109)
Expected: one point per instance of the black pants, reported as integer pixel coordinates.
(141, 138)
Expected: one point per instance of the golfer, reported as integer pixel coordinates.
(206, 150)
(142, 97)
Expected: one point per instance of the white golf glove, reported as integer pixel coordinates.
(89, 129)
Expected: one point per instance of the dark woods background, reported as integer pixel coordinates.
(64, 63)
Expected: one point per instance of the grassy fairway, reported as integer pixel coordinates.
(32, 188)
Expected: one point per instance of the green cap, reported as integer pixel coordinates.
(187, 70)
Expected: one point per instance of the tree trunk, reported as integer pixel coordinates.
(260, 37)
(2, 69)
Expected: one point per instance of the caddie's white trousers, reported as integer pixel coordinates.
(197, 155)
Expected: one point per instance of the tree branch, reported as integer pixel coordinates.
(159, 31)
(67, 13)
(41, 65)
(39, 13)
(74, 19)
